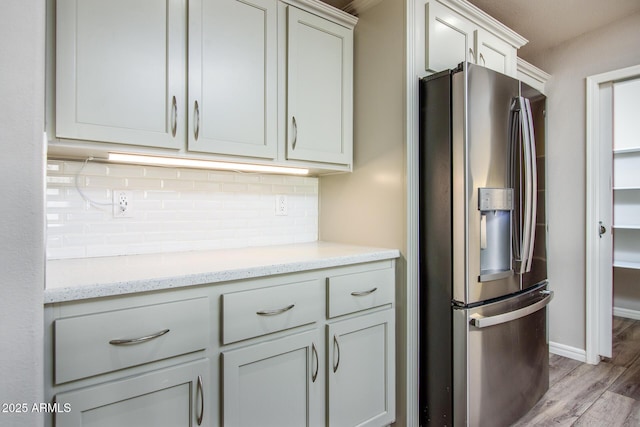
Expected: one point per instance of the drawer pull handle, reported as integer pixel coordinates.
(274, 312)
(200, 391)
(139, 340)
(363, 293)
(336, 346)
(315, 354)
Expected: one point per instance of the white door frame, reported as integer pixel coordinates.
(598, 295)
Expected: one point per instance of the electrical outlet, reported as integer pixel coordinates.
(281, 205)
(122, 204)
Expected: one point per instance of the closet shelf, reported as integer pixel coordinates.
(627, 264)
(626, 150)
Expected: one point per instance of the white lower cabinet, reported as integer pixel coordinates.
(314, 348)
(289, 381)
(274, 383)
(171, 397)
(300, 378)
(361, 370)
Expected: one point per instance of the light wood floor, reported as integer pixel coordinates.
(607, 394)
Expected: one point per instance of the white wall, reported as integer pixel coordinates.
(609, 48)
(368, 206)
(22, 207)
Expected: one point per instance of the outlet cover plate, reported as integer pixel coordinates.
(122, 204)
(282, 208)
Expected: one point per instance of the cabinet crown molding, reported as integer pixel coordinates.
(356, 7)
(486, 21)
(326, 11)
(532, 70)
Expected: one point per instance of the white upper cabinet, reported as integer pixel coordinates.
(449, 38)
(233, 77)
(457, 31)
(494, 53)
(252, 81)
(320, 94)
(120, 71)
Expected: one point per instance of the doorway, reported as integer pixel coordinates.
(600, 221)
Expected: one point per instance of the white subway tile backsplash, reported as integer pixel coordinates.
(172, 209)
(60, 180)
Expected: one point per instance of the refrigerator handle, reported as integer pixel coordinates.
(532, 176)
(513, 178)
(480, 321)
(522, 131)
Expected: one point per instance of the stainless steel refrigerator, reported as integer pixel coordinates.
(483, 273)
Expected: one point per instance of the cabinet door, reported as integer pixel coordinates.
(320, 94)
(449, 38)
(494, 53)
(274, 383)
(233, 77)
(120, 71)
(171, 397)
(361, 371)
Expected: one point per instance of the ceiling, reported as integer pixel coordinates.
(548, 23)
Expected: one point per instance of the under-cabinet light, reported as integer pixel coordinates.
(203, 164)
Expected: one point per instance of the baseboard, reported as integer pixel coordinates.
(626, 312)
(567, 351)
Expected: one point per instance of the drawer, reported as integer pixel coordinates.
(353, 292)
(248, 314)
(103, 342)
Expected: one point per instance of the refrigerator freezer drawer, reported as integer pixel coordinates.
(504, 359)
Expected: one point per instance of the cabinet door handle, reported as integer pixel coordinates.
(484, 63)
(295, 133)
(196, 120)
(200, 392)
(473, 55)
(336, 346)
(363, 293)
(139, 340)
(174, 116)
(274, 312)
(315, 354)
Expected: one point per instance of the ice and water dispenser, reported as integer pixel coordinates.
(496, 207)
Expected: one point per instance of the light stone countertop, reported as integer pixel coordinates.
(83, 278)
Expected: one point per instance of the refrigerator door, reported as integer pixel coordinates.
(538, 270)
(501, 359)
(436, 262)
(483, 196)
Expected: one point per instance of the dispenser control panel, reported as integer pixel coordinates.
(495, 199)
